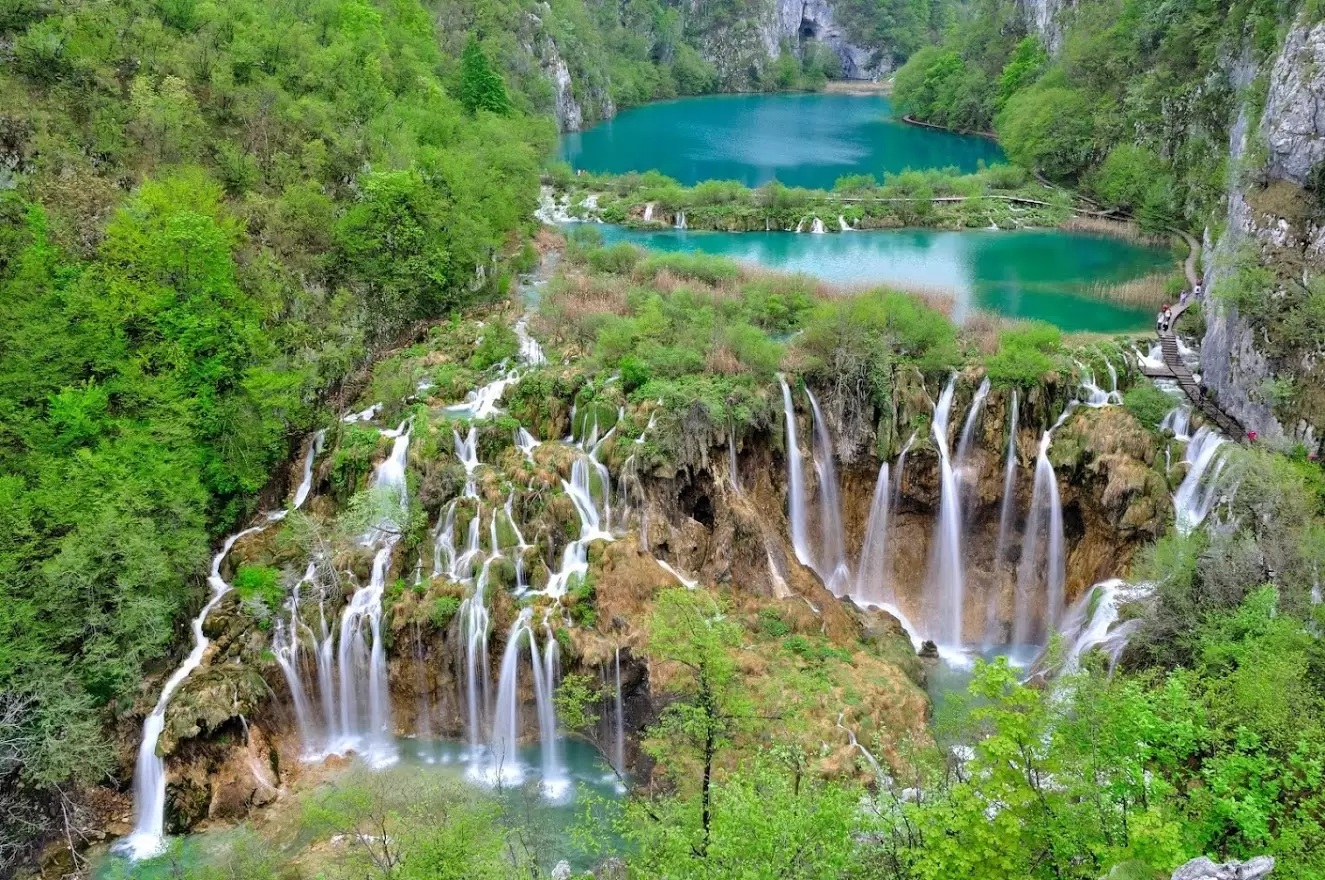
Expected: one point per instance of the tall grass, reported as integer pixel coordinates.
(1150, 291)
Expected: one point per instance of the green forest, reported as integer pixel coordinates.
(225, 223)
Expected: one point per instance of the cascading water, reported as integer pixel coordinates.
(648, 212)
(967, 472)
(947, 589)
(832, 560)
(148, 836)
(817, 228)
(285, 647)
(680, 219)
(1178, 421)
(842, 224)
(795, 483)
(873, 575)
(365, 702)
(1092, 622)
(1199, 490)
(1044, 529)
(149, 778)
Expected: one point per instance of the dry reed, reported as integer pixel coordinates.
(1150, 291)
(1128, 230)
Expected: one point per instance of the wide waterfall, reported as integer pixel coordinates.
(503, 765)
(795, 483)
(947, 590)
(1092, 622)
(1042, 551)
(832, 559)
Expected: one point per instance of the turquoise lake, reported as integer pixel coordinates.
(1041, 274)
(799, 139)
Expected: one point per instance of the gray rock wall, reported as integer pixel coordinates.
(1239, 359)
(1045, 17)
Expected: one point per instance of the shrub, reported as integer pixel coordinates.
(1148, 404)
(1024, 355)
(619, 259)
(443, 609)
(259, 584)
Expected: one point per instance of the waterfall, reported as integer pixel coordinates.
(873, 578)
(800, 224)
(526, 443)
(306, 483)
(149, 777)
(1005, 514)
(618, 721)
(1046, 516)
(842, 223)
(680, 219)
(1093, 622)
(1178, 421)
(530, 351)
(285, 647)
(554, 783)
(474, 626)
(896, 504)
(856, 746)
(817, 228)
(833, 567)
(1197, 494)
(504, 765)
(648, 212)
(967, 476)
(575, 556)
(365, 716)
(795, 482)
(946, 593)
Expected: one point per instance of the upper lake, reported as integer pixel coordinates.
(805, 140)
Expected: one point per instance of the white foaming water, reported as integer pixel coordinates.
(1179, 421)
(366, 415)
(688, 583)
(947, 592)
(795, 483)
(530, 351)
(1093, 622)
(1044, 528)
(1005, 514)
(648, 212)
(1153, 360)
(306, 483)
(526, 442)
(817, 227)
(1093, 395)
(966, 462)
(833, 568)
(873, 576)
(680, 219)
(842, 224)
(1197, 494)
(864, 752)
(148, 837)
(285, 647)
(365, 700)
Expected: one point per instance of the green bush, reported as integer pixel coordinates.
(260, 584)
(619, 259)
(1025, 355)
(1148, 404)
(442, 610)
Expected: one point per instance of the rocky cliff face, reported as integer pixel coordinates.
(1045, 18)
(742, 50)
(576, 100)
(1263, 371)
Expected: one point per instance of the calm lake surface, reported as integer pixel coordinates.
(1041, 274)
(800, 139)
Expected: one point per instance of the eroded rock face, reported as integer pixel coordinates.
(1045, 18)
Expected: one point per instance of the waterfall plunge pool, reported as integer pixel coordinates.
(1042, 274)
(586, 783)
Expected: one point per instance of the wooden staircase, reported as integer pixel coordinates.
(1173, 360)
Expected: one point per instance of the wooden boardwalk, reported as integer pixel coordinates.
(1177, 370)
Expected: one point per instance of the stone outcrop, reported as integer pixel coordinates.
(1204, 869)
(1251, 363)
(1045, 18)
(580, 97)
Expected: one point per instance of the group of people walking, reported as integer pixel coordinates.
(1164, 320)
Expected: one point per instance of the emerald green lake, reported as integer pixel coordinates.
(800, 139)
(1040, 274)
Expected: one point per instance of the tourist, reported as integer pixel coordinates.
(1168, 318)
(1159, 322)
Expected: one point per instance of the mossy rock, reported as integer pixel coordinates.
(208, 699)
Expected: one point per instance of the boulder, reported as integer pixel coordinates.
(1204, 869)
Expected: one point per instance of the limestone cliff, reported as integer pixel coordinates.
(743, 50)
(1261, 360)
(1045, 18)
